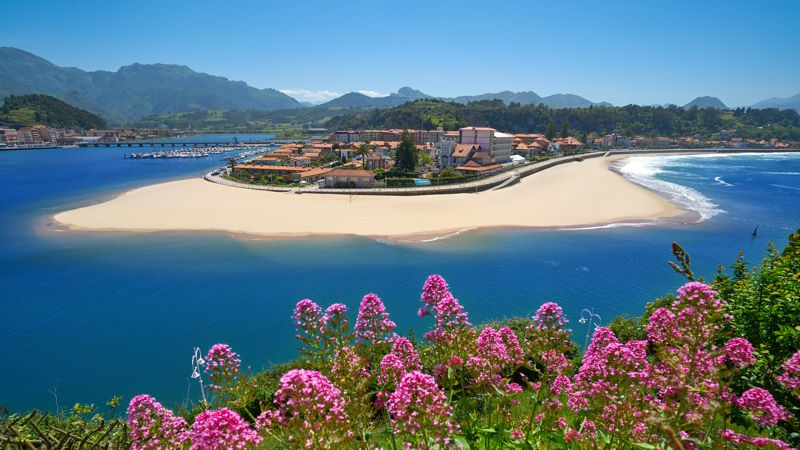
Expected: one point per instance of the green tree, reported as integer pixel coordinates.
(564, 129)
(230, 161)
(447, 172)
(362, 151)
(406, 155)
(551, 131)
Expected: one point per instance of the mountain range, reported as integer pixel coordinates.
(405, 94)
(132, 91)
(139, 90)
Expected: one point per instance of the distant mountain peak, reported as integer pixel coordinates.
(792, 102)
(706, 102)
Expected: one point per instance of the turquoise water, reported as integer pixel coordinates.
(102, 314)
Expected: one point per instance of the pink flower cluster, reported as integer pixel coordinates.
(791, 374)
(451, 321)
(760, 403)
(153, 427)
(222, 366)
(743, 440)
(221, 428)
(373, 324)
(739, 352)
(608, 388)
(308, 407)
(419, 409)
(497, 352)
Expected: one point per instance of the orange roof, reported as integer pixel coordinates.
(270, 168)
(477, 168)
(350, 173)
(463, 150)
(314, 172)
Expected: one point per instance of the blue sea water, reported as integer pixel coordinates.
(93, 315)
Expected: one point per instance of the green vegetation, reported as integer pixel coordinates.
(293, 121)
(35, 109)
(672, 121)
(406, 156)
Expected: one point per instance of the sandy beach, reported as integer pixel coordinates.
(570, 195)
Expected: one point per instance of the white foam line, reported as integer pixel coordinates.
(642, 170)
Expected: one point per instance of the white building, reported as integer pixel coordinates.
(499, 145)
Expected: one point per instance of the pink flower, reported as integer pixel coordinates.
(392, 371)
(549, 315)
(222, 367)
(739, 352)
(373, 324)
(419, 408)
(791, 374)
(309, 406)
(154, 427)
(765, 410)
(404, 349)
(221, 428)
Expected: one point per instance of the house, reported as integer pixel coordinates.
(313, 175)
(343, 178)
(462, 153)
(300, 161)
(376, 161)
(566, 144)
(474, 168)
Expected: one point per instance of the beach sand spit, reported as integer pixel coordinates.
(576, 194)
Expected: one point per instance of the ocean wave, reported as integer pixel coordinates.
(783, 186)
(642, 170)
(783, 173)
(607, 226)
(721, 181)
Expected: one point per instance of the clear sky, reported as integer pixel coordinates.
(645, 52)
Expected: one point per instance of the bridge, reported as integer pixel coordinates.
(174, 144)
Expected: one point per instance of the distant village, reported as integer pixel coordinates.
(41, 136)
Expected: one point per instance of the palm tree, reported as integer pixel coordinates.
(363, 151)
(230, 161)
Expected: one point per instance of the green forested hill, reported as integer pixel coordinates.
(629, 120)
(37, 109)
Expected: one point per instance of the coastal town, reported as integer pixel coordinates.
(368, 158)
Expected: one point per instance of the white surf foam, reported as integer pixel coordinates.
(642, 170)
(721, 181)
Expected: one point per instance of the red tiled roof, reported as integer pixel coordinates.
(471, 168)
(462, 150)
(350, 173)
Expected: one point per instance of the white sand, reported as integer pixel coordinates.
(573, 194)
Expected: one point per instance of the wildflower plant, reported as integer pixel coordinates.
(153, 427)
(674, 387)
(310, 413)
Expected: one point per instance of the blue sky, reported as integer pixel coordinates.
(645, 52)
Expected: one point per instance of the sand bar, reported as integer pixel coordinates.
(574, 194)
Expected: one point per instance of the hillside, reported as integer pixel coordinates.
(630, 120)
(35, 109)
(780, 103)
(132, 91)
(706, 102)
